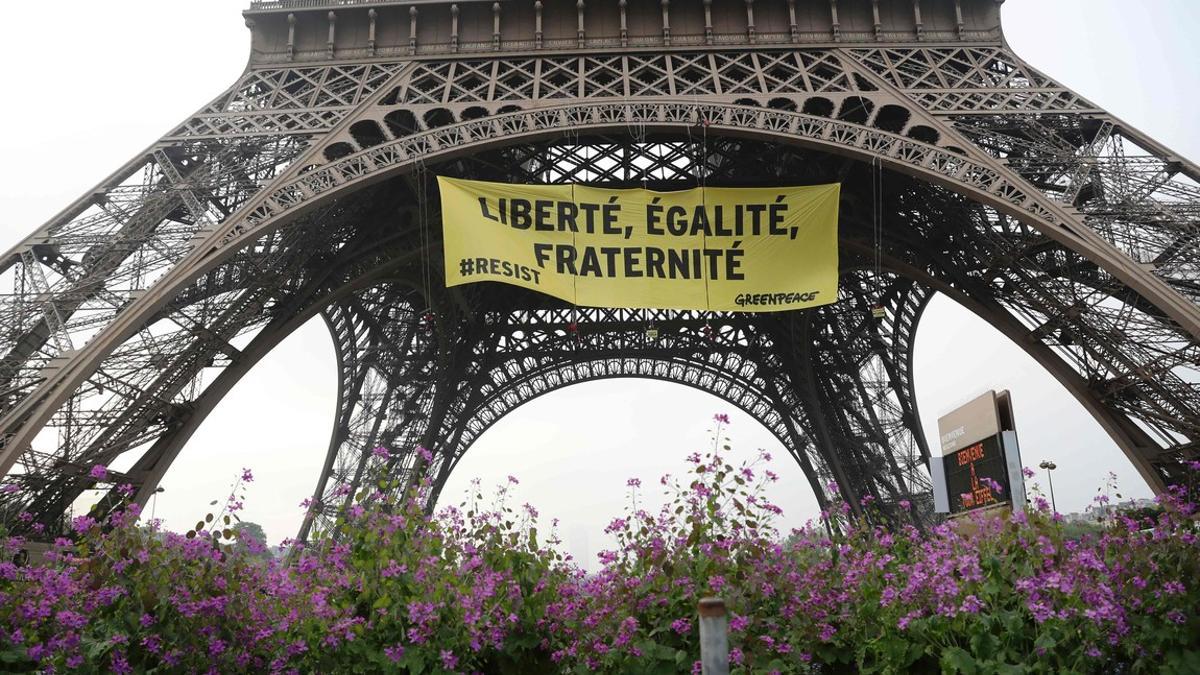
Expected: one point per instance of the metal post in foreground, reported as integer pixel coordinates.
(714, 637)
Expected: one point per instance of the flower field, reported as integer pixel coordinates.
(482, 587)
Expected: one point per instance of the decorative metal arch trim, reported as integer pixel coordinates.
(979, 177)
(798, 454)
(699, 366)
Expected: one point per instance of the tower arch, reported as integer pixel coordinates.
(272, 201)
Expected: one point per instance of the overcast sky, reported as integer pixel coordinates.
(89, 84)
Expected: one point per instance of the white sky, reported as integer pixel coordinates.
(89, 84)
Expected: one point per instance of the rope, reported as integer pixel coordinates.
(877, 224)
(424, 234)
(704, 201)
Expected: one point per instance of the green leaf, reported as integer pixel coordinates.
(1185, 661)
(957, 660)
(1046, 642)
(984, 645)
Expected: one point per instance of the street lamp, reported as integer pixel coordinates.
(1050, 466)
(154, 503)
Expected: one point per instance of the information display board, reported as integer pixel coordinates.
(977, 476)
(980, 465)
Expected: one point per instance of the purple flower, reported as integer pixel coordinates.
(1041, 613)
(721, 418)
(971, 605)
(616, 525)
(991, 483)
(83, 523)
(119, 664)
(69, 619)
(98, 472)
(392, 569)
(633, 483)
(453, 571)
(247, 477)
(381, 452)
(424, 453)
(394, 653)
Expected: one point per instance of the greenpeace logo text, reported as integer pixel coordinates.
(774, 299)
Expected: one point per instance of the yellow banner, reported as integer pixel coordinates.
(720, 249)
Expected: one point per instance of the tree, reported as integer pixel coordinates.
(252, 538)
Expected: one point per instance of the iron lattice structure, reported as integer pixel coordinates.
(305, 189)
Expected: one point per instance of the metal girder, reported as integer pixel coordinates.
(306, 187)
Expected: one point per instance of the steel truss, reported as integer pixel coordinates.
(306, 189)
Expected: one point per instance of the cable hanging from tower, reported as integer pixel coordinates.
(421, 188)
(877, 309)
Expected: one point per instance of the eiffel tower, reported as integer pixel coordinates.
(306, 189)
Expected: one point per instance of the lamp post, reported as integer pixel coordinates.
(154, 504)
(1049, 467)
